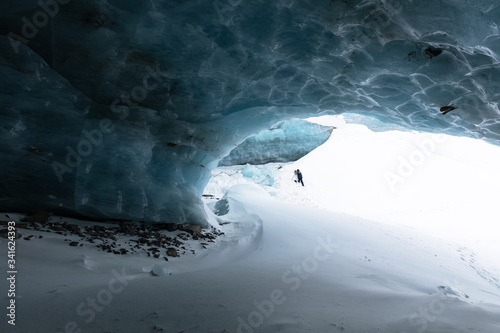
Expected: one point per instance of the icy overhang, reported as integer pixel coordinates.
(119, 109)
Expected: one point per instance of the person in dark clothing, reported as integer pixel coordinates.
(299, 177)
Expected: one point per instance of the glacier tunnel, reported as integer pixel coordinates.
(119, 109)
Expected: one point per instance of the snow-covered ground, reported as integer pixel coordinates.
(393, 232)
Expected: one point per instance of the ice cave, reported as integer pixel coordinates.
(193, 112)
(120, 109)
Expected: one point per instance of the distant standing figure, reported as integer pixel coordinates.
(295, 176)
(299, 177)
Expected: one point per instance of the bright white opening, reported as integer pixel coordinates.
(442, 183)
(439, 184)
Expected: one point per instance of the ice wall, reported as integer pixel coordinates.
(119, 109)
(285, 142)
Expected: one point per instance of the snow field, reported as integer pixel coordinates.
(345, 253)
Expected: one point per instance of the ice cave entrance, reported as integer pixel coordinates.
(438, 183)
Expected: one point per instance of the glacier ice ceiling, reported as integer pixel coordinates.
(286, 142)
(119, 109)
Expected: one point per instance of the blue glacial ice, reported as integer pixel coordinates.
(285, 142)
(120, 109)
(262, 175)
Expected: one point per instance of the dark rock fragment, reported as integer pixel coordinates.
(73, 228)
(41, 217)
(193, 229)
(446, 109)
(168, 226)
(432, 52)
(172, 252)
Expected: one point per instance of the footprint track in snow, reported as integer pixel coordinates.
(469, 257)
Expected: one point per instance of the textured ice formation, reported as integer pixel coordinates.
(288, 141)
(120, 109)
(260, 174)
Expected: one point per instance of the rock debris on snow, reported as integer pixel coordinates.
(135, 237)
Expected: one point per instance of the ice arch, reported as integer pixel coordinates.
(119, 109)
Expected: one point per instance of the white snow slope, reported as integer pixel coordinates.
(301, 259)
